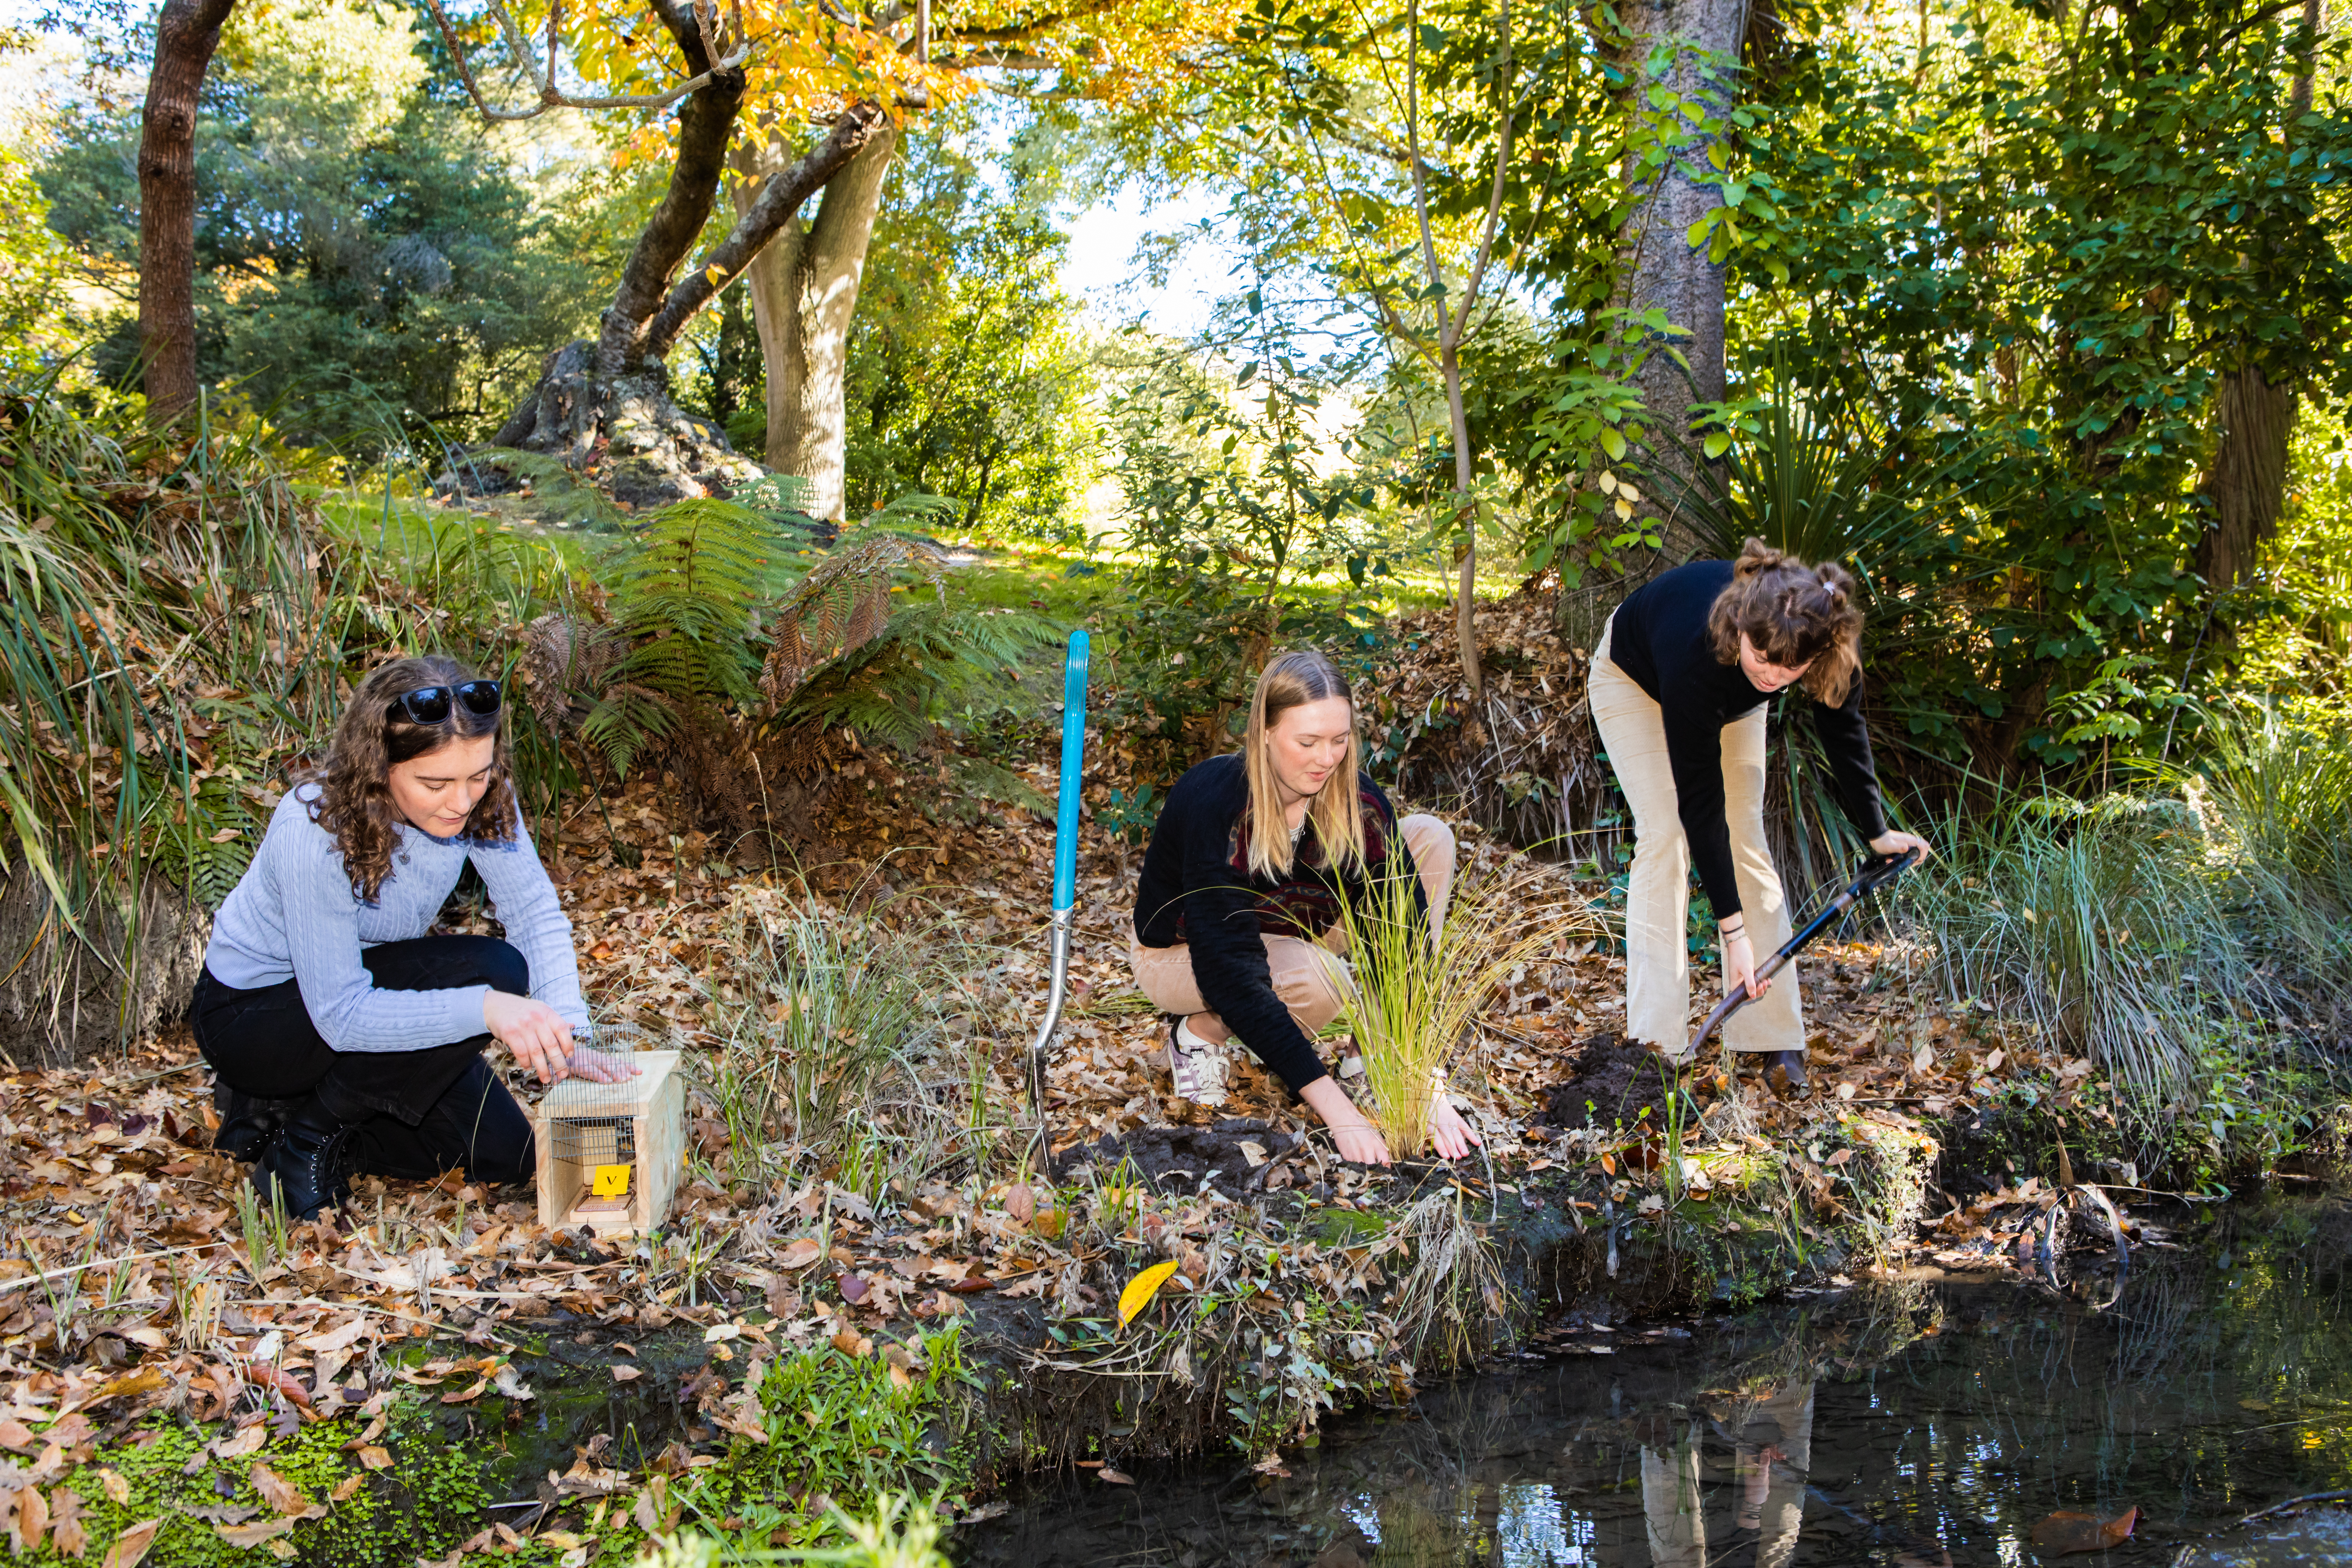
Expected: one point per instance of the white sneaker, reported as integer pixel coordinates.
(1198, 1065)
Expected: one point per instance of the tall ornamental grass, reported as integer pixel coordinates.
(2174, 936)
(1416, 993)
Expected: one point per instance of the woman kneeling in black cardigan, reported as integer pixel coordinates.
(1237, 912)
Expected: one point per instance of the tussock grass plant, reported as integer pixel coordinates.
(860, 1038)
(1417, 992)
(166, 634)
(2272, 796)
(2099, 922)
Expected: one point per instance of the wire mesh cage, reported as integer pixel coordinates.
(610, 1153)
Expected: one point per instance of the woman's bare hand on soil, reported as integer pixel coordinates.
(1448, 1131)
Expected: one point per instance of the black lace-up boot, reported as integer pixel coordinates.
(302, 1168)
(249, 1125)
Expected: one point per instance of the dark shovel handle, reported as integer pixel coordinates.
(1871, 875)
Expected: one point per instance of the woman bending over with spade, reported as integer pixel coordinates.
(1679, 686)
(1237, 924)
(345, 1040)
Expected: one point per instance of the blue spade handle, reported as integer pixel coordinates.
(1065, 872)
(1074, 755)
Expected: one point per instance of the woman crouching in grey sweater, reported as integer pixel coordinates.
(344, 1038)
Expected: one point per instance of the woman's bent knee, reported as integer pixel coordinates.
(504, 968)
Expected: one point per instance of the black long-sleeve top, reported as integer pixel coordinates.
(1196, 887)
(1660, 638)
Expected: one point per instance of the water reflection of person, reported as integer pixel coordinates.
(1772, 1443)
(1774, 1451)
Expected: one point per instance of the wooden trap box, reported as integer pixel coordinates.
(592, 1130)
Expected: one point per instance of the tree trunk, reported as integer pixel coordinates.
(605, 408)
(804, 293)
(186, 34)
(1466, 590)
(706, 124)
(1663, 270)
(2248, 484)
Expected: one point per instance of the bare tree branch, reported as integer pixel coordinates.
(527, 64)
(778, 200)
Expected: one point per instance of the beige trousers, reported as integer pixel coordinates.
(1306, 976)
(1657, 894)
(1767, 1493)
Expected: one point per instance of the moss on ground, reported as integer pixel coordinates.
(429, 1496)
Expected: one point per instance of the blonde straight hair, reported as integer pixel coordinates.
(1337, 814)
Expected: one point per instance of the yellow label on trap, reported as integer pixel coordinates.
(612, 1182)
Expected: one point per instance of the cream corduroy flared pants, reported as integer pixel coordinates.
(1657, 893)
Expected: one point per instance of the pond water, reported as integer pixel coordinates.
(1907, 1425)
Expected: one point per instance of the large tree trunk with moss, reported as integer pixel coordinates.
(1662, 270)
(186, 34)
(604, 407)
(803, 295)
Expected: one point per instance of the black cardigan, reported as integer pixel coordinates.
(1196, 887)
(1660, 638)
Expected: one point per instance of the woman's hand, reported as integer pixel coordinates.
(601, 1066)
(535, 1032)
(1448, 1131)
(1891, 844)
(1739, 965)
(1360, 1141)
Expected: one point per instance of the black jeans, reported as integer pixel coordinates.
(414, 1114)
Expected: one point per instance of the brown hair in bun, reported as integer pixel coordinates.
(1795, 615)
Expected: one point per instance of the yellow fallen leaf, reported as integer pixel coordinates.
(117, 1488)
(348, 1487)
(139, 1380)
(1142, 1289)
(375, 1457)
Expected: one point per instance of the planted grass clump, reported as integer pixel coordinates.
(1420, 982)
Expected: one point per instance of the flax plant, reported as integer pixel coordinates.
(1420, 981)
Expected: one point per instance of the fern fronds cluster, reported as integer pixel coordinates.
(716, 610)
(844, 604)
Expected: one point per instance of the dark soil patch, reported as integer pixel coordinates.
(1612, 1080)
(1194, 1159)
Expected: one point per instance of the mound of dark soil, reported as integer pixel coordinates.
(1191, 1159)
(1612, 1080)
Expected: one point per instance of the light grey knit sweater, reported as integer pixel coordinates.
(294, 915)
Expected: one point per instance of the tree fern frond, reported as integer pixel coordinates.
(629, 719)
(845, 603)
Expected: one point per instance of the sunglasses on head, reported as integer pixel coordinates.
(430, 704)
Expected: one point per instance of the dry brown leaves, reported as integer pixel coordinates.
(127, 1287)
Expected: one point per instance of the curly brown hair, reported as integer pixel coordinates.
(1795, 615)
(372, 738)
